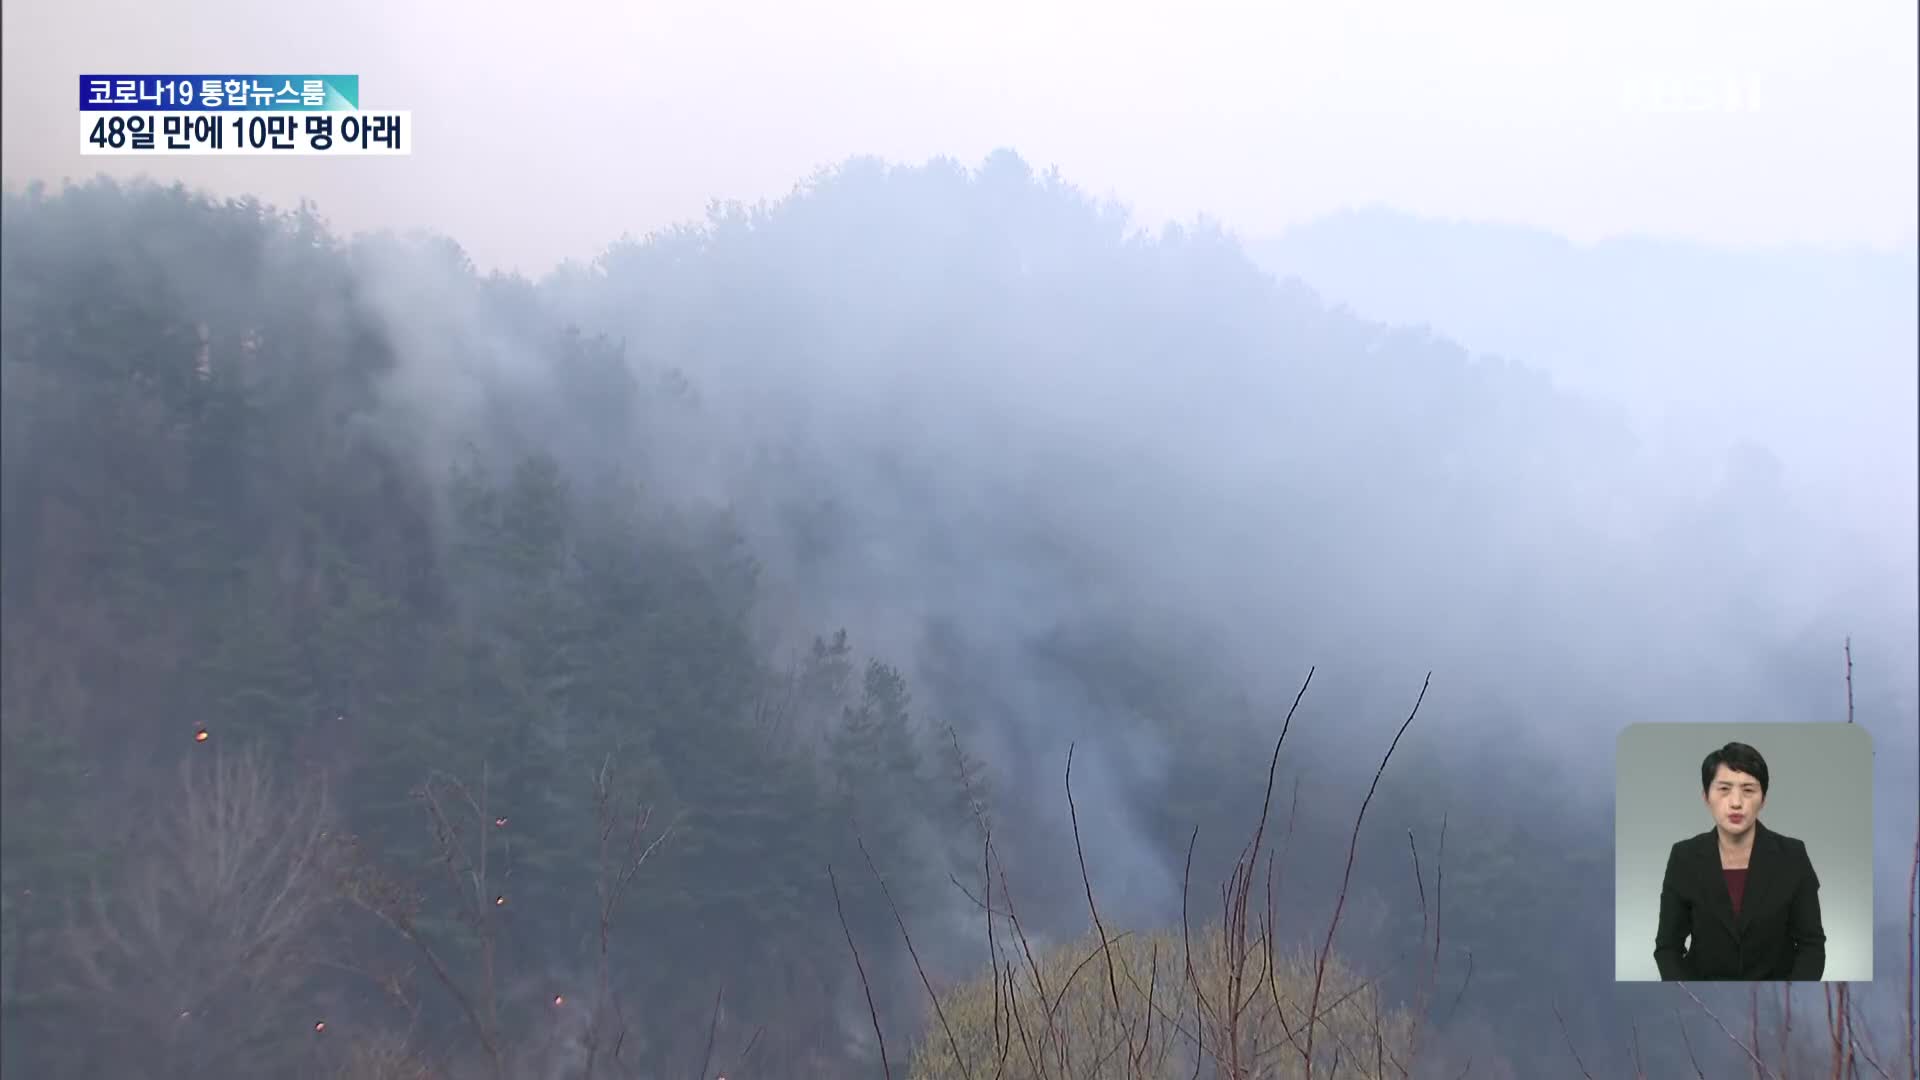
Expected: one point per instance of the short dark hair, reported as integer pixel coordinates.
(1739, 757)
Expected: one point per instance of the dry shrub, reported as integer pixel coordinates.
(385, 1057)
(1086, 1036)
(189, 960)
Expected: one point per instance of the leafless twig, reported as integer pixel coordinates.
(1568, 1035)
(1735, 1039)
(1333, 924)
(933, 997)
(1113, 982)
(862, 969)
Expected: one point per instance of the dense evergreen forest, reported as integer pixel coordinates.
(410, 671)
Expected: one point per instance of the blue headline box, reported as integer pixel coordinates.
(219, 93)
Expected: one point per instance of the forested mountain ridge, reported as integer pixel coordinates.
(432, 535)
(211, 528)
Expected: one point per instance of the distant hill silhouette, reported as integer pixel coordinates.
(1809, 353)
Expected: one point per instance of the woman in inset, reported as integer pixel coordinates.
(1740, 902)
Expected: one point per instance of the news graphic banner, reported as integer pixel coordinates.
(246, 115)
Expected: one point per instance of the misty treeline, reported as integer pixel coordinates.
(410, 671)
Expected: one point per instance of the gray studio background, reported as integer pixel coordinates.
(1820, 791)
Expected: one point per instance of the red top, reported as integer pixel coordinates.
(1736, 887)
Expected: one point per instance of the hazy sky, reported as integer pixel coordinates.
(548, 129)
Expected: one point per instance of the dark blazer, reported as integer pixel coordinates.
(1778, 936)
